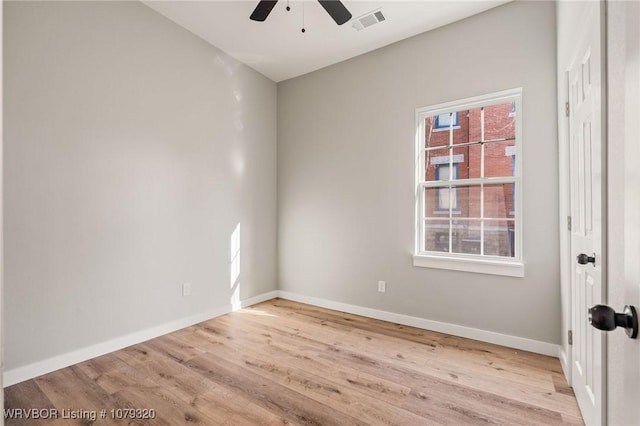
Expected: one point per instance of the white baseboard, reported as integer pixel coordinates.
(564, 363)
(441, 327)
(20, 374)
(259, 299)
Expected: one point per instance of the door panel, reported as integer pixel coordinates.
(586, 168)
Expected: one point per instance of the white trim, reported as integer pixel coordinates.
(468, 182)
(38, 368)
(564, 212)
(515, 342)
(494, 98)
(1, 216)
(259, 299)
(477, 265)
(564, 363)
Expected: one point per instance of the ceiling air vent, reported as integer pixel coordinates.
(368, 19)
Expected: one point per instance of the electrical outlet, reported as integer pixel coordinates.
(186, 289)
(382, 286)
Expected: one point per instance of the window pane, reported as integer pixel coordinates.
(499, 201)
(499, 238)
(474, 126)
(437, 158)
(468, 201)
(499, 122)
(436, 235)
(446, 172)
(433, 136)
(467, 236)
(461, 135)
(499, 159)
(439, 133)
(433, 159)
(447, 199)
(474, 155)
(431, 203)
(436, 201)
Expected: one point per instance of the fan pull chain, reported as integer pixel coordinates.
(303, 29)
(288, 7)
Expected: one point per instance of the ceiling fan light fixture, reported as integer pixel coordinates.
(338, 12)
(262, 10)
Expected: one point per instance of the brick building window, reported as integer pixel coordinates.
(447, 197)
(444, 121)
(468, 193)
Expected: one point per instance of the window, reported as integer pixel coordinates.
(468, 190)
(445, 121)
(447, 197)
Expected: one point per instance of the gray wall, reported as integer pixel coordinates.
(346, 173)
(132, 151)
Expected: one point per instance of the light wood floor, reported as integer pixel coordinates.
(282, 362)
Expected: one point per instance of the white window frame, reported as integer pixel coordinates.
(496, 265)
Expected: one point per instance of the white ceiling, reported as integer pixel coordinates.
(278, 49)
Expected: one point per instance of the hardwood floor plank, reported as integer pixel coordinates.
(26, 397)
(292, 372)
(286, 363)
(170, 409)
(289, 354)
(269, 395)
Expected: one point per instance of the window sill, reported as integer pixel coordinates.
(479, 266)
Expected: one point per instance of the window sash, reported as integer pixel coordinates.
(452, 216)
(469, 182)
(466, 144)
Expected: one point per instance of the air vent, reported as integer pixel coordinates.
(368, 19)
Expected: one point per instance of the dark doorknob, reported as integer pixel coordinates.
(604, 318)
(583, 259)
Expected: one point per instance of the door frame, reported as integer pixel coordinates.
(623, 41)
(1, 220)
(566, 263)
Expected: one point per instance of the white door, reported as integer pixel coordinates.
(1, 229)
(587, 176)
(623, 34)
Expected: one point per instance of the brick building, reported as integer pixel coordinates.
(467, 145)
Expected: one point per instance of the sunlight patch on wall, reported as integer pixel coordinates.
(234, 267)
(237, 163)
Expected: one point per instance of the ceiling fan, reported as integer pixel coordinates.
(334, 8)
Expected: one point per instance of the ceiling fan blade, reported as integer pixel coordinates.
(337, 10)
(263, 9)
